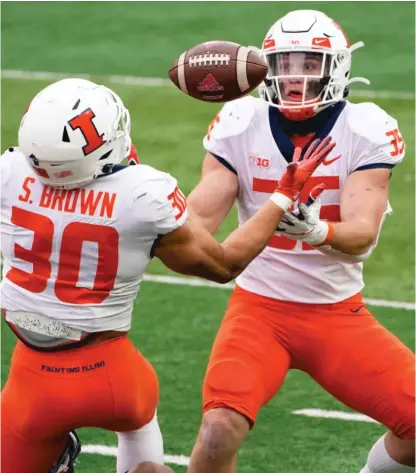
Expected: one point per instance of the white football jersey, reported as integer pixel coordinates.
(79, 255)
(247, 138)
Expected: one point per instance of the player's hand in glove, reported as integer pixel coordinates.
(305, 224)
(299, 171)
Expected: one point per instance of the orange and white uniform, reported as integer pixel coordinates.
(295, 307)
(73, 263)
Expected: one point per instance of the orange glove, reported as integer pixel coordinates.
(299, 171)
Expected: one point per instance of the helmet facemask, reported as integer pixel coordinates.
(301, 82)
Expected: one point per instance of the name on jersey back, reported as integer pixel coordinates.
(85, 201)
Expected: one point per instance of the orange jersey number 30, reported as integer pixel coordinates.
(178, 202)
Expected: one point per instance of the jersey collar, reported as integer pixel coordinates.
(282, 128)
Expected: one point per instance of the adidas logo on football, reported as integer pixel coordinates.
(209, 84)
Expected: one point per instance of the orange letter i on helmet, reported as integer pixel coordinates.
(84, 122)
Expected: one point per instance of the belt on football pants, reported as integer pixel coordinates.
(42, 333)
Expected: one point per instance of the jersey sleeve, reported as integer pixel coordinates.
(223, 139)
(162, 204)
(7, 161)
(380, 143)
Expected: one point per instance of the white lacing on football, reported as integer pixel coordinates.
(209, 60)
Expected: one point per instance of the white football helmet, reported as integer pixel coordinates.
(309, 59)
(74, 131)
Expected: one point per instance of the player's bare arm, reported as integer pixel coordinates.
(363, 204)
(192, 250)
(212, 199)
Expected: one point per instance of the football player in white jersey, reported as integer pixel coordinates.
(77, 233)
(298, 304)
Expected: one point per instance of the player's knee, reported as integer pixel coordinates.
(222, 432)
(402, 450)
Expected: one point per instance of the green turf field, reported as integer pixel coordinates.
(174, 325)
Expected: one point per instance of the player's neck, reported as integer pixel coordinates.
(307, 127)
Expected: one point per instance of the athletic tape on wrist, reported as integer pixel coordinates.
(329, 235)
(281, 200)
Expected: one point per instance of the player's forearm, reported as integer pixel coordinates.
(193, 251)
(248, 241)
(353, 238)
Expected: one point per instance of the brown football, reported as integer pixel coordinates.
(218, 71)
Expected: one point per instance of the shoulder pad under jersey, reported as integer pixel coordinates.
(370, 122)
(236, 117)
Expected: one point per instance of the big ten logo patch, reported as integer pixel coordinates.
(259, 162)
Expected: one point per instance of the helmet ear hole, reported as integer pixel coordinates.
(65, 136)
(106, 155)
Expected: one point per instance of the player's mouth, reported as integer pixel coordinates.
(294, 96)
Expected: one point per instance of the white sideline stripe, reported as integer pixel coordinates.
(112, 452)
(180, 281)
(184, 460)
(177, 280)
(334, 415)
(392, 304)
(158, 81)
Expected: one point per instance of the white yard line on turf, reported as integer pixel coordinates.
(184, 460)
(112, 452)
(177, 280)
(158, 81)
(321, 413)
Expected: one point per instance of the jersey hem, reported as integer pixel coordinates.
(224, 162)
(243, 285)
